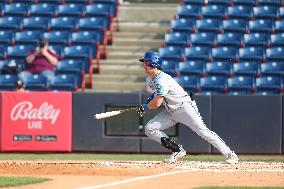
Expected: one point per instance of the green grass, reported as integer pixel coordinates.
(238, 187)
(129, 157)
(18, 181)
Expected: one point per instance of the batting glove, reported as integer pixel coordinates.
(141, 110)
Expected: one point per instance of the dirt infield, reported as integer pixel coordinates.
(144, 174)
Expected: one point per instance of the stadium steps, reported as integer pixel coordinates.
(142, 28)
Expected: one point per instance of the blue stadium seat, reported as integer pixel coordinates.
(188, 11)
(171, 53)
(275, 54)
(194, 2)
(203, 38)
(58, 37)
(257, 39)
(268, 85)
(43, 9)
(279, 26)
(261, 25)
(176, 39)
(269, 2)
(219, 2)
(19, 51)
(213, 11)
(27, 37)
(82, 2)
(235, 25)
(246, 68)
(221, 68)
(209, 25)
(183, 25)
(63, 23)
(55, 2)
(234, 39)
(3, 52)
(16, 9)
(3, 63)
(198, 53)
(63, 82)
(251, 53)
(73, 67)
(6, 38)
(10, 23)
(213, 84)
(35, 82)
(265, 12)
(189, 83)
(244, 2)
(239, 11)
(70, 10)
(277, 39)
(36, 23)
(281, 13)
(7, 82)
(272, 68)
(225, 53)
(29, 2)
(241, 85)
(192, 67)
(170, 67)
(100, 10)
(113, 4)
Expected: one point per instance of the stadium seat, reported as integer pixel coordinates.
(268, 85)
(189, 83)
(269, 2)
(35, 82)
(27, 37)
(57, 37)
(63, 23)
(82, 2)
(235, 25)
(10, 23)
(275, 54)
(3, 63)
(100, 10)
(272, 68)
(257, 39)
(219, 2)
(241, 85)
(29, 2)
(43, 9)
(203, 38)
(244, 2)
(279, 26)
(170, 67)
(208, 25)
(221, 68)
(73, 67)
(194, 2)
(213, 11)
(63, 82)
(71, 9)
(55, 2)
(7, 82)
(281, 13)
(36, 23)
(265, 12)
(246, 68)
(213, 84)
(198, 53)
(188, 11)
(225, 53)
(251, 54)
(183, 25)
(234, 39)
(16, 9)
(176, 39)
(171, 53)
(192, 67)
(3, 52)
(19, 51)
(277, 39)
(239, 12)
(261, 25)
(6, 38)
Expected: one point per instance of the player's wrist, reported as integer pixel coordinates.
(145, 106)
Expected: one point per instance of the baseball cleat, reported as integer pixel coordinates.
(232, 158)
(175, 156)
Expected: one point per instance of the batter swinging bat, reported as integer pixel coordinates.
(112, 113)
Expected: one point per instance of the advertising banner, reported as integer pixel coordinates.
(36, 121)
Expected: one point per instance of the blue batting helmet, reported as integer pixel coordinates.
(153, 58)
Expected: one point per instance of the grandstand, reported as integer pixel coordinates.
(99, 42)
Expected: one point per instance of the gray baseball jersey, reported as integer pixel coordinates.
(179, 108)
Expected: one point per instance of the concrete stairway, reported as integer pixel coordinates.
(142, 28)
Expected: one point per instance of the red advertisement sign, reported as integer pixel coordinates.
(36, 121)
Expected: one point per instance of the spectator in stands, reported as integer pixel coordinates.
(42, 60)
(19, 86)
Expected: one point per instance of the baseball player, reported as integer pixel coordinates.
(179, 107)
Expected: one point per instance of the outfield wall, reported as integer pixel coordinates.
(248, 124)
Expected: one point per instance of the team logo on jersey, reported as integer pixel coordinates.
(159, 89)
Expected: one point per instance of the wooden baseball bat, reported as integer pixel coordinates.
(112, 113)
